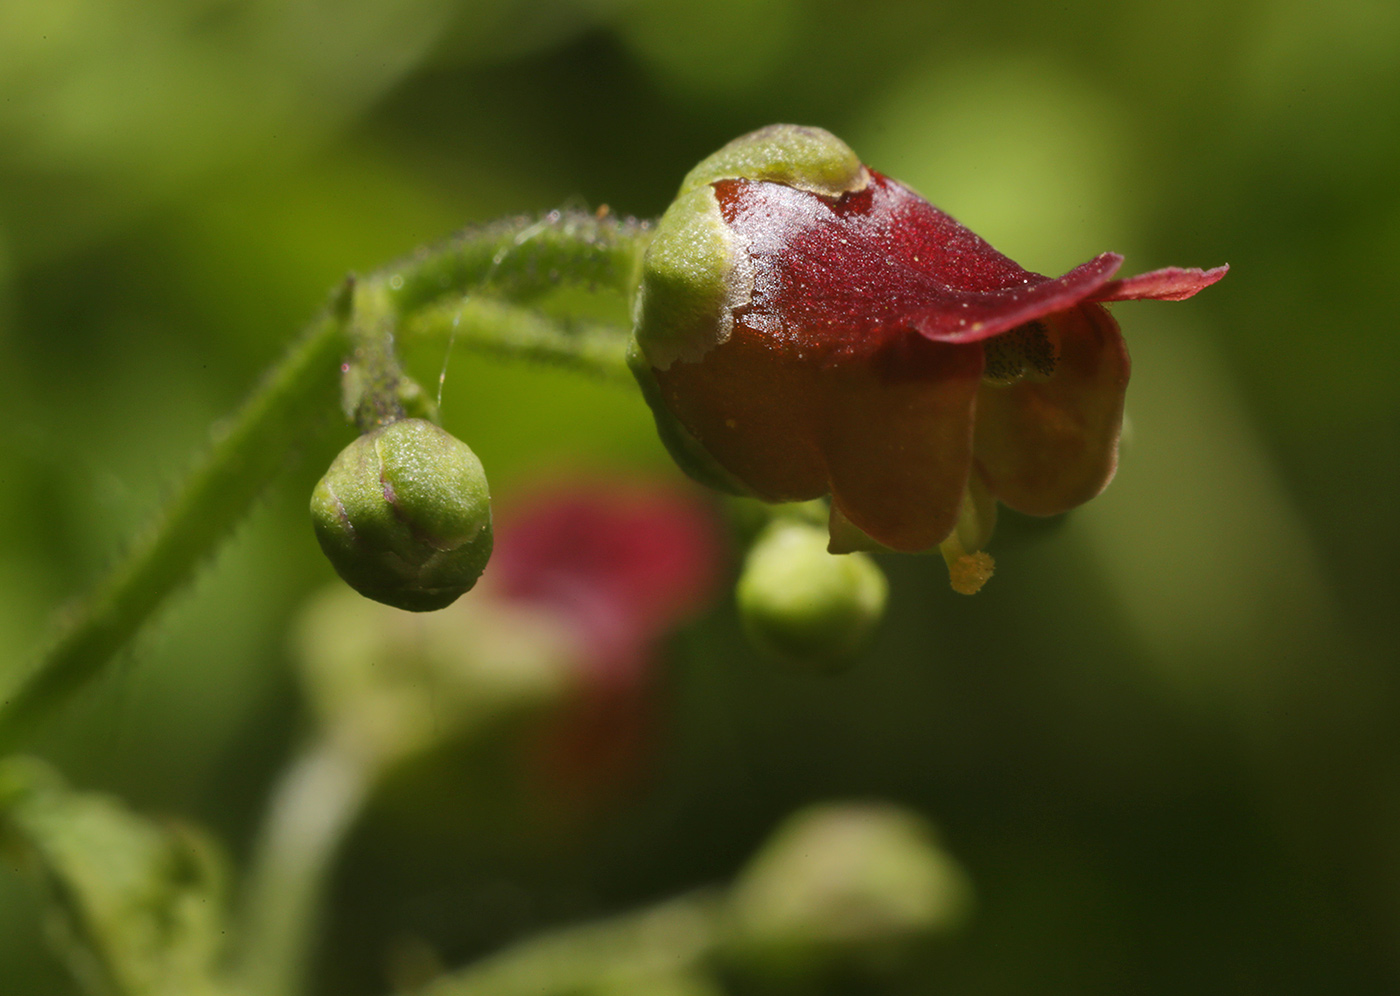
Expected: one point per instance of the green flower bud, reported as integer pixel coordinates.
(849, 886)
(803, 604)
(404, 516)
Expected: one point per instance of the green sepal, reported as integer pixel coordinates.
(694, 274)
(796, 156)
(404, 515)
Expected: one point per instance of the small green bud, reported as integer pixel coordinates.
(803, 604)
(404, 516)
(851, 885)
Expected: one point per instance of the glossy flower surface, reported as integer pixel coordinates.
(808, 327)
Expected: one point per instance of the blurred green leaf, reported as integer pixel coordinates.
(662, 946)
(137, 908)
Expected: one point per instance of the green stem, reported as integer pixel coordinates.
(495, 327)
(520, 259)
(314, 805)
(370, 388)
(245, 454)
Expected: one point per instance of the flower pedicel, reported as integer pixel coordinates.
(809, 327)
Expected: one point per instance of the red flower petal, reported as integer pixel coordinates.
(1046, 446)
(883, 259)
(1170, 284)
(754, 408)
(889, 437)
(978, 317)
(898, 440)
(843, 272)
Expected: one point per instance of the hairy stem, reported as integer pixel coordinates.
(476, 283)
(373, 379)
(245, 453)
(521, 258)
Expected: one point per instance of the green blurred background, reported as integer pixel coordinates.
(1165, 740)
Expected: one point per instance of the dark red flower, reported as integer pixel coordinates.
(808, 326)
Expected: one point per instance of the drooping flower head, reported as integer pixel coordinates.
(809, 327)
(404, 515)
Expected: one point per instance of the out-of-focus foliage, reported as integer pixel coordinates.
(1164, 740)
(137, 909)
(840, 891)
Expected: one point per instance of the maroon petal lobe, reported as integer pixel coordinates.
(1170, 284)
(754, 408)
(888, 435)
(1046, 446)
(897, 439)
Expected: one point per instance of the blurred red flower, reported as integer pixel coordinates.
(622, 565)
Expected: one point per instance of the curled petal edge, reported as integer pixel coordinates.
(1172, 283)
(981, 315)
(984, 315)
